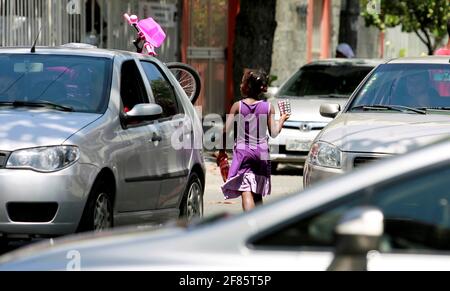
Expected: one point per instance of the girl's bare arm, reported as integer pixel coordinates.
(273, 126)
(229, 124)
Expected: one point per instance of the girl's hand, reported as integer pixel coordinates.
(284, 117)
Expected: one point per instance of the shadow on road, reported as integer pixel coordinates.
(288, 170)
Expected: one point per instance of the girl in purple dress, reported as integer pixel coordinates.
(249, 175)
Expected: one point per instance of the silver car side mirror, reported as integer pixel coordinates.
(358, 232)
(330, 110)
(145, 111)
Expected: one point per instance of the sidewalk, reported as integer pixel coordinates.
(285, 183)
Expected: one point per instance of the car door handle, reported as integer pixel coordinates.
(156, 138)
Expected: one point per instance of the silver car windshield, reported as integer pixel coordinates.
(325, 81)
(60, 82)
(405, 86)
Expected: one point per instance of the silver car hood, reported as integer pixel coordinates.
(308, 108)
(24, 128)
(385, 133)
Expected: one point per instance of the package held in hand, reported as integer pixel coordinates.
(284, 106)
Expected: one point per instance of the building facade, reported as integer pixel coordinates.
(307, 30)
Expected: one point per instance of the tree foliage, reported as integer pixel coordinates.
(426, 18)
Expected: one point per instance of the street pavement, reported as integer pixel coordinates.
(287, 180)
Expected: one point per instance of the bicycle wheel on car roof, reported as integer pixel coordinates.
(188, 78)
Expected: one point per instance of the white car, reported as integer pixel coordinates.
(392, 215)
(314, 84)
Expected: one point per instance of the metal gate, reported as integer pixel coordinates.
(98, 22)
(58, 21)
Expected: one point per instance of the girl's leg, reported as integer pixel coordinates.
(258, 199)
(247, 201)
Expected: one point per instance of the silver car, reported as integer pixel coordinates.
(307, 89)
(393, 215)
(404, 104)
(91, 139)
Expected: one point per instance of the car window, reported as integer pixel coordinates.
(132, 89)
(324, 80)
(79, 82)
(416, 210)
(412, 85)
(162, 90)
(314, 230)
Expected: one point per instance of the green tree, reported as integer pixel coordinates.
(426, 18)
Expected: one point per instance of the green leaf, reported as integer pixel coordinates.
(412, 15)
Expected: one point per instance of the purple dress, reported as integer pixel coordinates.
(250, 170)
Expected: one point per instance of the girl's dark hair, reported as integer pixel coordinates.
(256, 82)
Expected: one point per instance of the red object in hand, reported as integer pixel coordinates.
(222, 162)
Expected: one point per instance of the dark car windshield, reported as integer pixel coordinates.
(416, 86)
(70, 83)
(325, 80)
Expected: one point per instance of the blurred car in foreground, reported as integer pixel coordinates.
(404, 104)
(392, 215)
(316, 83)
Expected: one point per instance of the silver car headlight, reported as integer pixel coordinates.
(44, 159)
(325, 155)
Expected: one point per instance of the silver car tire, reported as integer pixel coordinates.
(102, 213)
(192, 204)
(98, 214)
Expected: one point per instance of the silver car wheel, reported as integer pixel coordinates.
(194, 201)
(102, 213)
